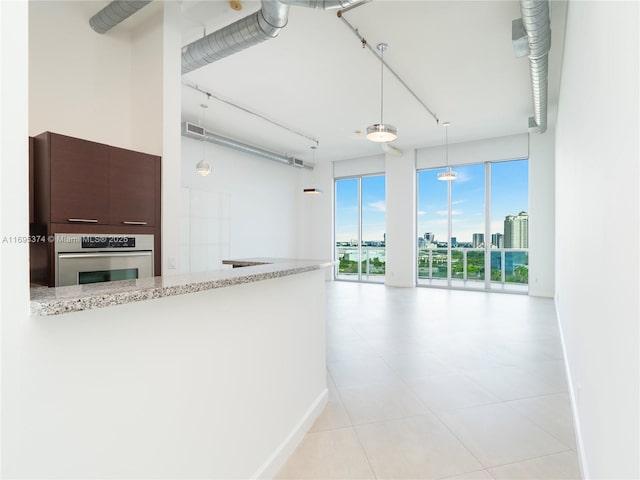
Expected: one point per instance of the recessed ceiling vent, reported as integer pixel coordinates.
(197, 132)
(194, 129)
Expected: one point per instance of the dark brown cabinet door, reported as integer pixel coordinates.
(79, 181)
(132, 187)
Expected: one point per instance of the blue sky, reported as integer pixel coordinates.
(509, 196)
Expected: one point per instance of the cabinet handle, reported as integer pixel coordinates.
(82, 220)
(134, 223)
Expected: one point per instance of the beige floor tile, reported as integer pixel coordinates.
(361, 371)
(497, 434)
(334, 414)
(477, 475)
(560, 466)
(449, 392)
(423, 364)
(372, 403)
(414, 448)
(332, 417)
(334, 454)
(512, 383)
(552, 413)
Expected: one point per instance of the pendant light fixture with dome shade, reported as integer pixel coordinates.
(381, 132)
(448, 174)
(203, 167)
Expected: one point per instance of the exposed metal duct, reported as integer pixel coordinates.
(114, 13)
(537, 26)
(262, 25)
(197, 132)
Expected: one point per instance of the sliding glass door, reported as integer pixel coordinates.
(360, 228)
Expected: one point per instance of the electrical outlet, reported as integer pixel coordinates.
(172, 262)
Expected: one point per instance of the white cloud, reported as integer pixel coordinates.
(457, 202)
(420, 212)
(445, 212)
(378, 206)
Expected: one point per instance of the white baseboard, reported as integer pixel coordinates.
(279, 457)
(582, 460)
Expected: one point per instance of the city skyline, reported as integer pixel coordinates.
(509, 196)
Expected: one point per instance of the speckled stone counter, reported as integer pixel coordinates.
(54, 301)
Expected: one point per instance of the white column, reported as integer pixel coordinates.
(542, 214)
(401, 219)
(171, 153)
(14, 168)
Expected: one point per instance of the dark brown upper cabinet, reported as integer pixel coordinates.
(133, 188)
(79, 180)
(82, 182)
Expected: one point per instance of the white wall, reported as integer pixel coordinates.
(509, 147)
(542, 213)
(146, 84)
(14, 272)
(597, 231)
(315, 227)
(217, 384)
(79, 81)
(400, 227)
(260, 201)
(171, 140)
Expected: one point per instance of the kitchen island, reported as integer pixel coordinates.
(54, 301)
(208, 375)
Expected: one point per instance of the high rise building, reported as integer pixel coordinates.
(478, 240)
(429, 237)
(516, 231)
(497, 240)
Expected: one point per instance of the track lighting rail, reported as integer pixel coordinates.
(372, 50)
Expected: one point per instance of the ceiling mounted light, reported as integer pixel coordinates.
(202, 167)
(448, 174)
(313, 191)
(381, 132)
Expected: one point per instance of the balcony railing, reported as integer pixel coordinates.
(370, 269)
(509, 266)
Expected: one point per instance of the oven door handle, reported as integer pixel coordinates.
(138, 253)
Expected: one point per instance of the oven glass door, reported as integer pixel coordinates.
(80, 268)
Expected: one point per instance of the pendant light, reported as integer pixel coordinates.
(313, 191)
(202, 167)
(448, 174)
(381, 132)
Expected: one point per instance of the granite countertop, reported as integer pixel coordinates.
(57, 300)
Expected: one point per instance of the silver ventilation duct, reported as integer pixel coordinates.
(114, 13)
(262, 25)
(537, 27)
(197, 132)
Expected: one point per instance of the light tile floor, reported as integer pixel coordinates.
(432, 384)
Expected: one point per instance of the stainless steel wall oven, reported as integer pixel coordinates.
(91, 258)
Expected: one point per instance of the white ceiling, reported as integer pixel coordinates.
(315, 77)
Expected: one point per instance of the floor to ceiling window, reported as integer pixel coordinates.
(510, 225)
(360, 228)
(472, 225)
